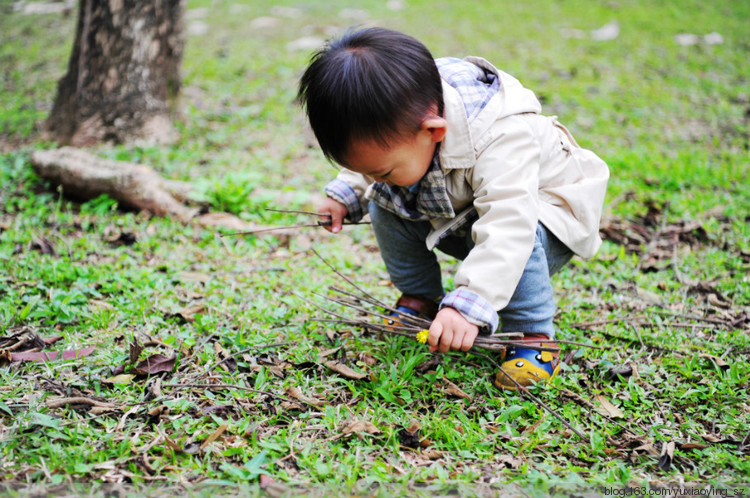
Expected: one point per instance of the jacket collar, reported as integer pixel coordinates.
(457, 149)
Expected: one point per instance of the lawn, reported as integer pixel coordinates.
(207, 366)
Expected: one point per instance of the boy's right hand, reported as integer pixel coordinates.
(335, 211)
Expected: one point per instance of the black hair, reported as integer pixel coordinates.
(370, 84)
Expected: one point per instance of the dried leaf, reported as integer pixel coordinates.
(218, 432)
(135, 351)
(719, 302)
(156, 364)
(367, 359)
(295, 393)
(102, 305)
(409, 436)
(361, 426)
(509, 461)
(667, 456)
(71, 354)
(433, 454)
(43, 245)
(345, 371)
(194, 276)
(119, 379)
(227, 362)
(719, 361)
(453, 390)
(606, 408)
(693, 446)
(188, 314)
(78, 401)
(291, 405)
(328, 352)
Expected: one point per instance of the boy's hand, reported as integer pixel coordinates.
(450, 330)
(335, 211)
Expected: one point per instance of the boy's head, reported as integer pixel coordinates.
(372, 86)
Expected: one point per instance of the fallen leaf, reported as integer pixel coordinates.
(291, 405)
(367, 359)
(328, 352)
(155, 364)
(194, 276)
(295, 393)
(361, 426)
(693, 446)
(71, 354)
(453, 390)
(409, 436)
(225, 360)
(509, 461)
(606, 408)
(188, 314)
(78, 401)
(667, 456)
(718, 301)
(102, 305)
(119, 379)
(347, 372)
(719, 361)
(43, 245)
(433, 454)
(134, 351)
(210, 439)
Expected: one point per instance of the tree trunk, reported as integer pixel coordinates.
(123, 74)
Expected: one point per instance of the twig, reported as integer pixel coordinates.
(223, 386)
(234, 355)
(350, 281)
(295, 211)
(422, 323)
(320, 223)
(364, 310)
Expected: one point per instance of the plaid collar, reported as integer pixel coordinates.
(428, 198)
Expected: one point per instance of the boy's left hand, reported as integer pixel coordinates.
(450, 330)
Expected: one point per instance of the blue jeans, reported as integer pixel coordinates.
(415, 270)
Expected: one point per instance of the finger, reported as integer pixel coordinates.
(445, 340)
(436, 330)
(337, 219)
(458, 338)
(469, 338)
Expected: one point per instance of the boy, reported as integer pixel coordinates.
(454, 154)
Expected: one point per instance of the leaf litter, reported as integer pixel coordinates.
(346, 359)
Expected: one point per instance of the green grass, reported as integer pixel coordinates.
(670, 120)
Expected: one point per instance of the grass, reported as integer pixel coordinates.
(670, 120)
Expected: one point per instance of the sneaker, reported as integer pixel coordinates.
(414, 306)
(528, 366)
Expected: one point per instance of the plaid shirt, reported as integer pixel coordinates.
(428, 198)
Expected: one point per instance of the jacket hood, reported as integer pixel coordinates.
(513, 97)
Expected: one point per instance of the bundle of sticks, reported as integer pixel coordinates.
(377, 316)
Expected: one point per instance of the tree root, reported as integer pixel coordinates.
(84, 176)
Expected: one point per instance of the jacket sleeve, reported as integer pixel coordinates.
(349, 189)
(505, 181)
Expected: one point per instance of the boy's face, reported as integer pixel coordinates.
(403, 163)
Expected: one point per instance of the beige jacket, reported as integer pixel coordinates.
(515, 167)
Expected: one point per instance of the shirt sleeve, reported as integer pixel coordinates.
(342, 192)
(473, 307)
(349, 189)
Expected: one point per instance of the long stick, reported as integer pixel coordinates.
(526, 392)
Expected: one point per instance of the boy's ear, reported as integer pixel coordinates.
(437, 127)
